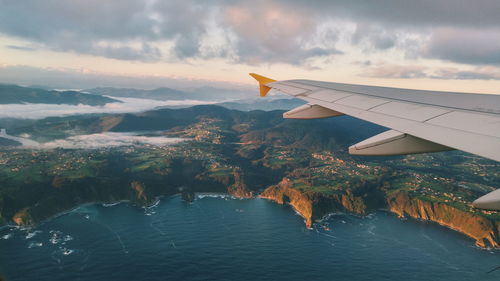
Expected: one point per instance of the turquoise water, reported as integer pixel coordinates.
(229, 239)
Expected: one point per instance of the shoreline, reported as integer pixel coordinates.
(111, 204)
(221, 195)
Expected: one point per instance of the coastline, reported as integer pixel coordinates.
(114, 203)
(313, 208)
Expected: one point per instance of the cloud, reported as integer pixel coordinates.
(39, 111)
(139, 30)
(373, 36)
(478, 73)
(270, 32)
(408, 13)
(108, 139)
(109, 29)
(257, 32)
(396, 71)
(20, 48)
(468, 46)
(446, 73)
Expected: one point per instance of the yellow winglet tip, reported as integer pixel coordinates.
(262, 83)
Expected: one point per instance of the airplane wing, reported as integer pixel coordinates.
(419, 121)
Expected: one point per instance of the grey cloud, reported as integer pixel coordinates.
(271, 32)
(276, 31)
(109, 28)
(396, 71)
(401, 71)
(375, 36)
(187, 46)
(82, 25)
(477, 74)
(406, 12)
(20, 48)
(469, 46)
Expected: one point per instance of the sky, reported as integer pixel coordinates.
(450, 45)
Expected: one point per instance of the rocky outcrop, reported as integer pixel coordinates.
(479, 228)
(139, 189)
(23, 217)
(239, 188)
(283, 193)
(314, 205)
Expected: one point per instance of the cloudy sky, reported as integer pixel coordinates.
(428, 44)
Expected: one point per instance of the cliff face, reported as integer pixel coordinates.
(283, 193)
(484, 231)
(140, 192)
(23, 217)
(141, 189)
(313, 205)
(239, 188)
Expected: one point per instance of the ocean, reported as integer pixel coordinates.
(218, 237)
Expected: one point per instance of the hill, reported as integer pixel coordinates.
(253, 126)
(203, 94)
(266, 104)
(13, 94)
(8, 142)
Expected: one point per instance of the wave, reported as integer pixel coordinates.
(35, 244)
(214, 195)
(55, 237)
(32, 234)
(154, 205)
(111, 204)
(67, 252)
(7, 236)
(67, 238)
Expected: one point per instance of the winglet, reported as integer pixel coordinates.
(262, 83)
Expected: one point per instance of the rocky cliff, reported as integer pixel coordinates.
(23, 217)
(479, 228)
(239, 188)
(314, 205)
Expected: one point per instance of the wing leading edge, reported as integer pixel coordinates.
(420, 121)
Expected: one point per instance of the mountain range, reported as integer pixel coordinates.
(13, 94)
(164, 93)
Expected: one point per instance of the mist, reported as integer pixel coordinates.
(39, 111)
(105, 140)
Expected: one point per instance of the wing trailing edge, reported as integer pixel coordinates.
(393, 142)
(311, 111)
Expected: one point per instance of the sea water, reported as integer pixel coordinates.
(223, 238)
